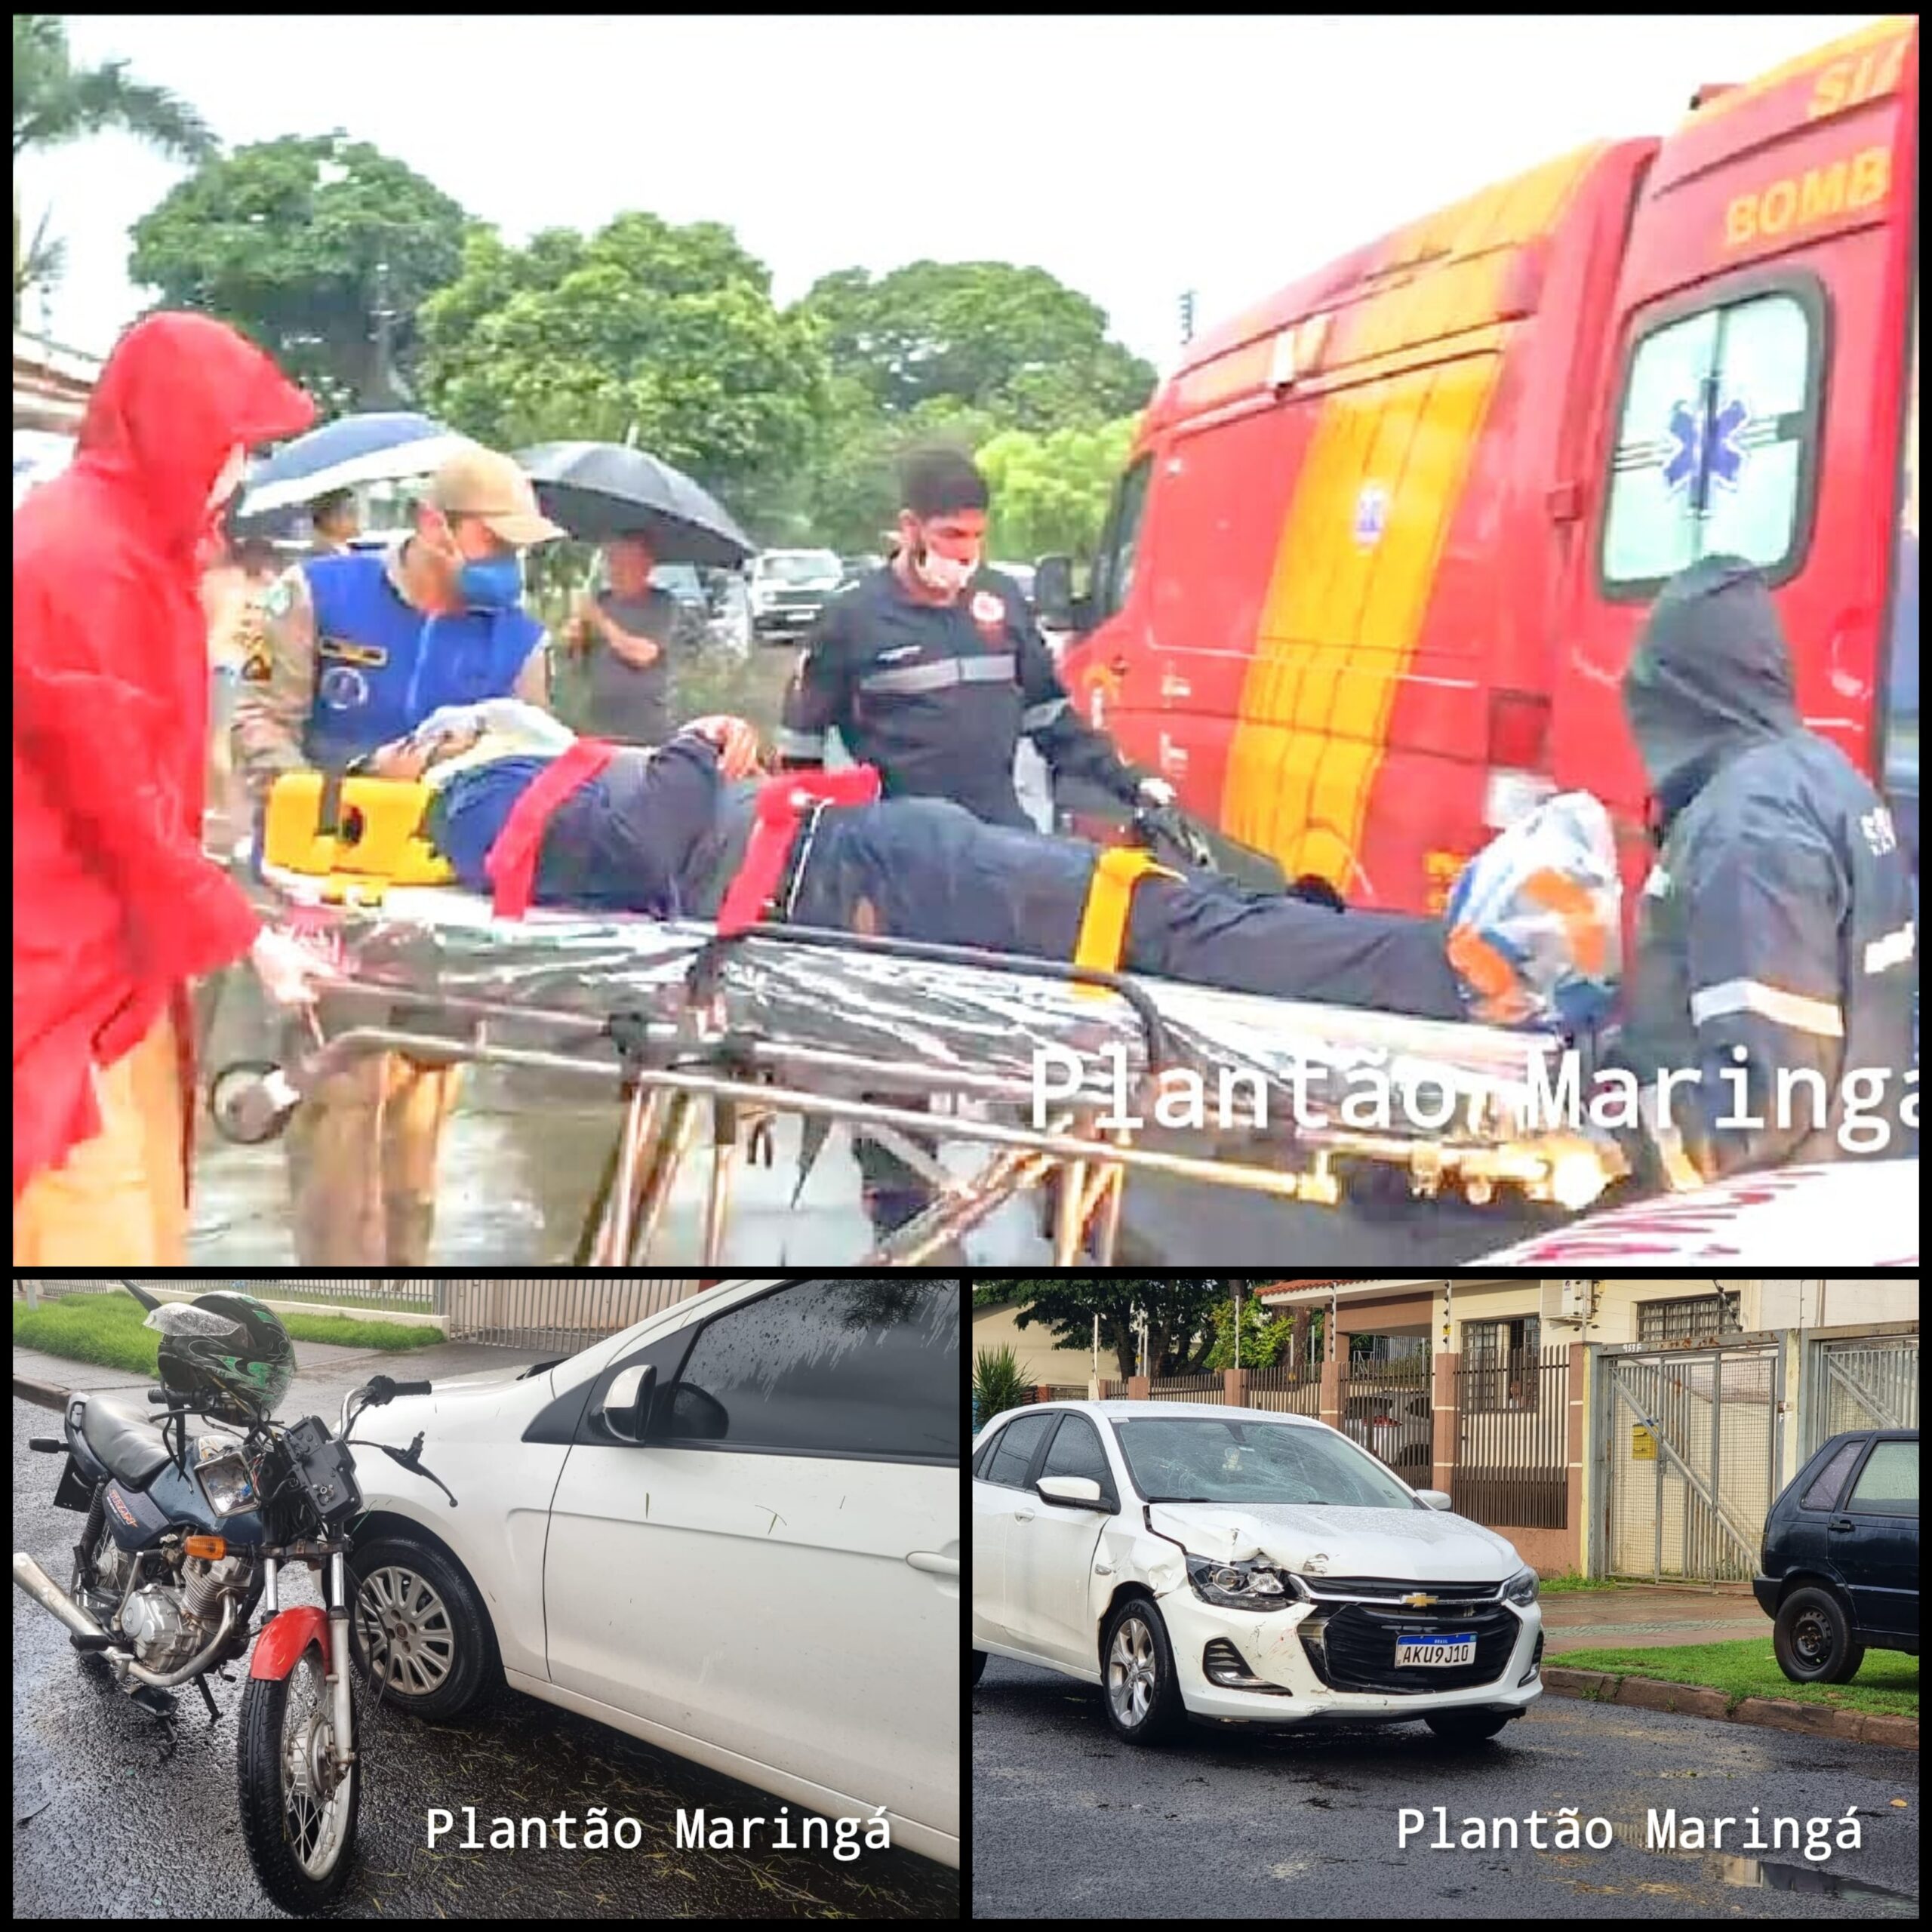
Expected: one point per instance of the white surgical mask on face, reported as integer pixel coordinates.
(946, 573)
(228, 480)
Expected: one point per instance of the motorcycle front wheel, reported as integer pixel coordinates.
(298, 1810)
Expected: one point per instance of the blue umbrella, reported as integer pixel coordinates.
(385, 446)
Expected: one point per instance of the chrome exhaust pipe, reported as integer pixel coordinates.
(52, 1597)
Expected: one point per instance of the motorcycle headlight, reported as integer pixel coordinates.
(227, 1485)
(1521, 1588)
(1257, 1584)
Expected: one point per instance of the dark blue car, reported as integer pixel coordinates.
(1840, 1564)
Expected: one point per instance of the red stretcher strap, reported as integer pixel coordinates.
(512, 862)
(782, 803)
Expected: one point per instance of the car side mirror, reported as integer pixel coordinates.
(1436, 1498)
(1082, 1492)
(1054, 604)
(627, 1416)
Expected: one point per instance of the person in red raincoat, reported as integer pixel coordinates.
(115, 908)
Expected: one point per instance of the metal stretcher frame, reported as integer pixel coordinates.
(673, 1066)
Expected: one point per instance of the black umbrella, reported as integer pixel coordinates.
(597, 490)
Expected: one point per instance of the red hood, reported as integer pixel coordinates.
(178, 393)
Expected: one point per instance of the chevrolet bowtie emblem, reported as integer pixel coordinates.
(1418, 1602)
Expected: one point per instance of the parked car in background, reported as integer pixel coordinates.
(731, 1529)
(1195, 1560)
(1022, 574)
(1398, 1428)
(1839, 1567)
(788, 589)
(852, 568)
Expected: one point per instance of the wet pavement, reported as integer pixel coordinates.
(117, 1816)
(1068, 1822)
(1650, 1618)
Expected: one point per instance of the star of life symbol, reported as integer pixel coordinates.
(1705, 438)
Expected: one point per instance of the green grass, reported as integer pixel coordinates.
(1887, 1680)
(1572, 1581)
(107, 1330)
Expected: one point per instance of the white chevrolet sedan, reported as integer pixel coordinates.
(732, 1531)
(1226, 1563)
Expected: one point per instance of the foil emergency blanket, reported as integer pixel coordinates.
(992, 1032)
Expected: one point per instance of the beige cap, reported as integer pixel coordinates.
(476, 482)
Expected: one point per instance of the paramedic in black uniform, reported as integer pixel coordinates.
(932, 669)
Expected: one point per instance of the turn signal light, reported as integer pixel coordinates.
(213, 1547)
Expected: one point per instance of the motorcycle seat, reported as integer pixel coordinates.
(125, 1439)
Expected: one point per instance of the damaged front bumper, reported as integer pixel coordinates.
(1322, 1661)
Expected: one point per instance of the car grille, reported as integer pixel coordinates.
(1354, 1649)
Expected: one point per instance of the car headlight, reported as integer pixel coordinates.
(1521, 1588)
(1254, 1584)
(227, 1485)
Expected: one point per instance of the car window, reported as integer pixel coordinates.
(1888, 1483)
(1213, 1459)
(1076, 1451)
(1822, 1491)
(855, 1367)
(1013, 1450)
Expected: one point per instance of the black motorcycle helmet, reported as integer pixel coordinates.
(224, 1355)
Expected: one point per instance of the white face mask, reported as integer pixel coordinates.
(229, 479)
(947, 574)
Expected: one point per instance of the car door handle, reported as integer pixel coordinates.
(1843, 1525)
(1022, 1516)
(933, 1562)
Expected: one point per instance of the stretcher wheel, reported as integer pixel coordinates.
(250, 1101)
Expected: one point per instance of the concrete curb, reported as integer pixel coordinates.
(1698, 1700)
(44, 1394)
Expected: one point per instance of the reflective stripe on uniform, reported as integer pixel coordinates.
(798, 744)
(1895, 948)
(1038, 717)
(1793, 1010)
(950, 671)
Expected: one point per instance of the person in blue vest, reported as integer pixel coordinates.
(350, 652)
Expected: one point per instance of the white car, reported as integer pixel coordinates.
(1864, 1214)
(731, 1529)
(1194, 1560)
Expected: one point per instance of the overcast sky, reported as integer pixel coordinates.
(1133, 158)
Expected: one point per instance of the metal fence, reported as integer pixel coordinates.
(1385, 1408)
(1290, 1391)
(554, 1312)
(1512, 1446)
(1861, 1383)
(1190, 1388)
(1113, 1391)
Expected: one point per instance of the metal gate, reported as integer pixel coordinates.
(1387, 1410)
(1690, 1447)
(1861, 1382)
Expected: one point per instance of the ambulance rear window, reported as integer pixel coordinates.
(1716, 441)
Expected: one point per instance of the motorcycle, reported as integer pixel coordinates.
(184, 1536)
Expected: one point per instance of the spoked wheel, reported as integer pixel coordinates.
(298, 1800)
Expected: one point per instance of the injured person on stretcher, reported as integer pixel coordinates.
(524, 811)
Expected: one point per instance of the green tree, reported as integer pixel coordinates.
(1014, 342)
(998, 1385)
(1050, 493)
(55, 101)
(1179, 1310)
(322, 249)
(643, 329)
(1263, 1335)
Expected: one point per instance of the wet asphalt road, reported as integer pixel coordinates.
(1068, 1822)
(115, 1818)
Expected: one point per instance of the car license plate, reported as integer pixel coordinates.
(1435, 1650)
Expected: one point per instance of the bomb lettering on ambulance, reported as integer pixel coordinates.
(1847, 186)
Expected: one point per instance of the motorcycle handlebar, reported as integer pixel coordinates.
(381, 1388)
(411, 1389)
(157, 1395)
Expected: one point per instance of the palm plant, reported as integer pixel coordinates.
(998, 1385)
(56, 101)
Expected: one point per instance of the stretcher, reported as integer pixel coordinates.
(1054, 1075)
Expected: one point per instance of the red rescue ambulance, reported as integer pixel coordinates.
(1370, 580)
